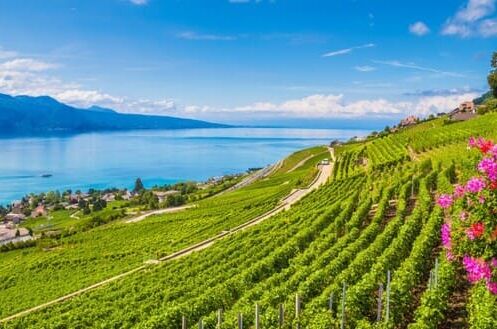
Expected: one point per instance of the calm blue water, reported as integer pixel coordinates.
(115, 159)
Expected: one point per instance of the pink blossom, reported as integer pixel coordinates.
(445, 200)
(475, 185)
(493, 262)
(477, 269)
(446, 238)
(463, 215)
(459, 191)
(492, 287)
(493, 151)
(450, 256)
(489, 167)
(475, 231)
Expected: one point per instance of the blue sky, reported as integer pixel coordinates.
(250, 61)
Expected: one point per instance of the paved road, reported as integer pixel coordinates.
(322, 177)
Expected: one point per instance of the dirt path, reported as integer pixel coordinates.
(158, 212)
(323, 176)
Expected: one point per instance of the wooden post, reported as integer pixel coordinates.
(183, 323)
(240, 321)
(282, 316)
(219, 318)
(436, 272)
(380, 298)
(344, 295)
(257, 326)
(387, 317)
(297, 309)
(331, 303)
(201, 324)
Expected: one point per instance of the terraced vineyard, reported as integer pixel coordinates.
(362, 251)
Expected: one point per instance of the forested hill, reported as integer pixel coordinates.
(35, 115)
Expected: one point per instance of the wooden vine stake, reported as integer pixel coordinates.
(344, 295)
(387, 317)
(183, 323)
(257, 320)
(219, 318)
(436, 272)
(201, 324)
(380, 299)
(240, 321)
(297, 310)
(330, 305)
(281, 316)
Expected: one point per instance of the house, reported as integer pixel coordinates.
(39, 211)
(335, 143)
(127, 195)
(465, 111)
(467, 106)
(10, 234)
(108, 197)
(14, 218)
(162, 195)
(409, 121)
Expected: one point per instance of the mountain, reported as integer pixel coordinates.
(43, 114)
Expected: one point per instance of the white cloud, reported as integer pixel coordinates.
(419, 29)
(413, 66)
(347, 50)
(365, 68)
(469, 20)
(189, 35)
(26, 64)
(7, 54)
(139, 2)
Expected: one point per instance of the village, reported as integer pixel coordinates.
(97, 207)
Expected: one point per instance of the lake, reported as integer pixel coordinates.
(116, 159)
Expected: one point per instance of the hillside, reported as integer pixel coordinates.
(35, 115)
(362, 251)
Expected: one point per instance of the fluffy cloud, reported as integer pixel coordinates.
(419, 29)
(26, 64)
(470, 20)
(328, 106)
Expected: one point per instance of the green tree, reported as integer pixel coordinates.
(492, 76)
(138, 185)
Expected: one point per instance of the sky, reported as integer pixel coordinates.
(273, 62)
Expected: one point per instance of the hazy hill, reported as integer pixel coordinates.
(26, 115)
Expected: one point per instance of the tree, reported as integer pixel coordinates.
(492, 76)
(138, 185)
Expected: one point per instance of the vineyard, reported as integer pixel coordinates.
(362, 251)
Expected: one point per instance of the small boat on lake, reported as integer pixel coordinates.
(46, 175)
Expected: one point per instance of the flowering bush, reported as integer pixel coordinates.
(470, 233)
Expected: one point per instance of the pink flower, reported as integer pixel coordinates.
(493, 151)
(492, 287)
(446, 238)
(489, 167)
(475, 231)
(475, 185)
(493, 262)
(482, 144)
(463, 215)
(450, 256)
(459, 191)
(445, 201)
(477, 269)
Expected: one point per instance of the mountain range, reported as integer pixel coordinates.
(44, 114)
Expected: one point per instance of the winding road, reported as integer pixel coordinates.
(321, 178)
